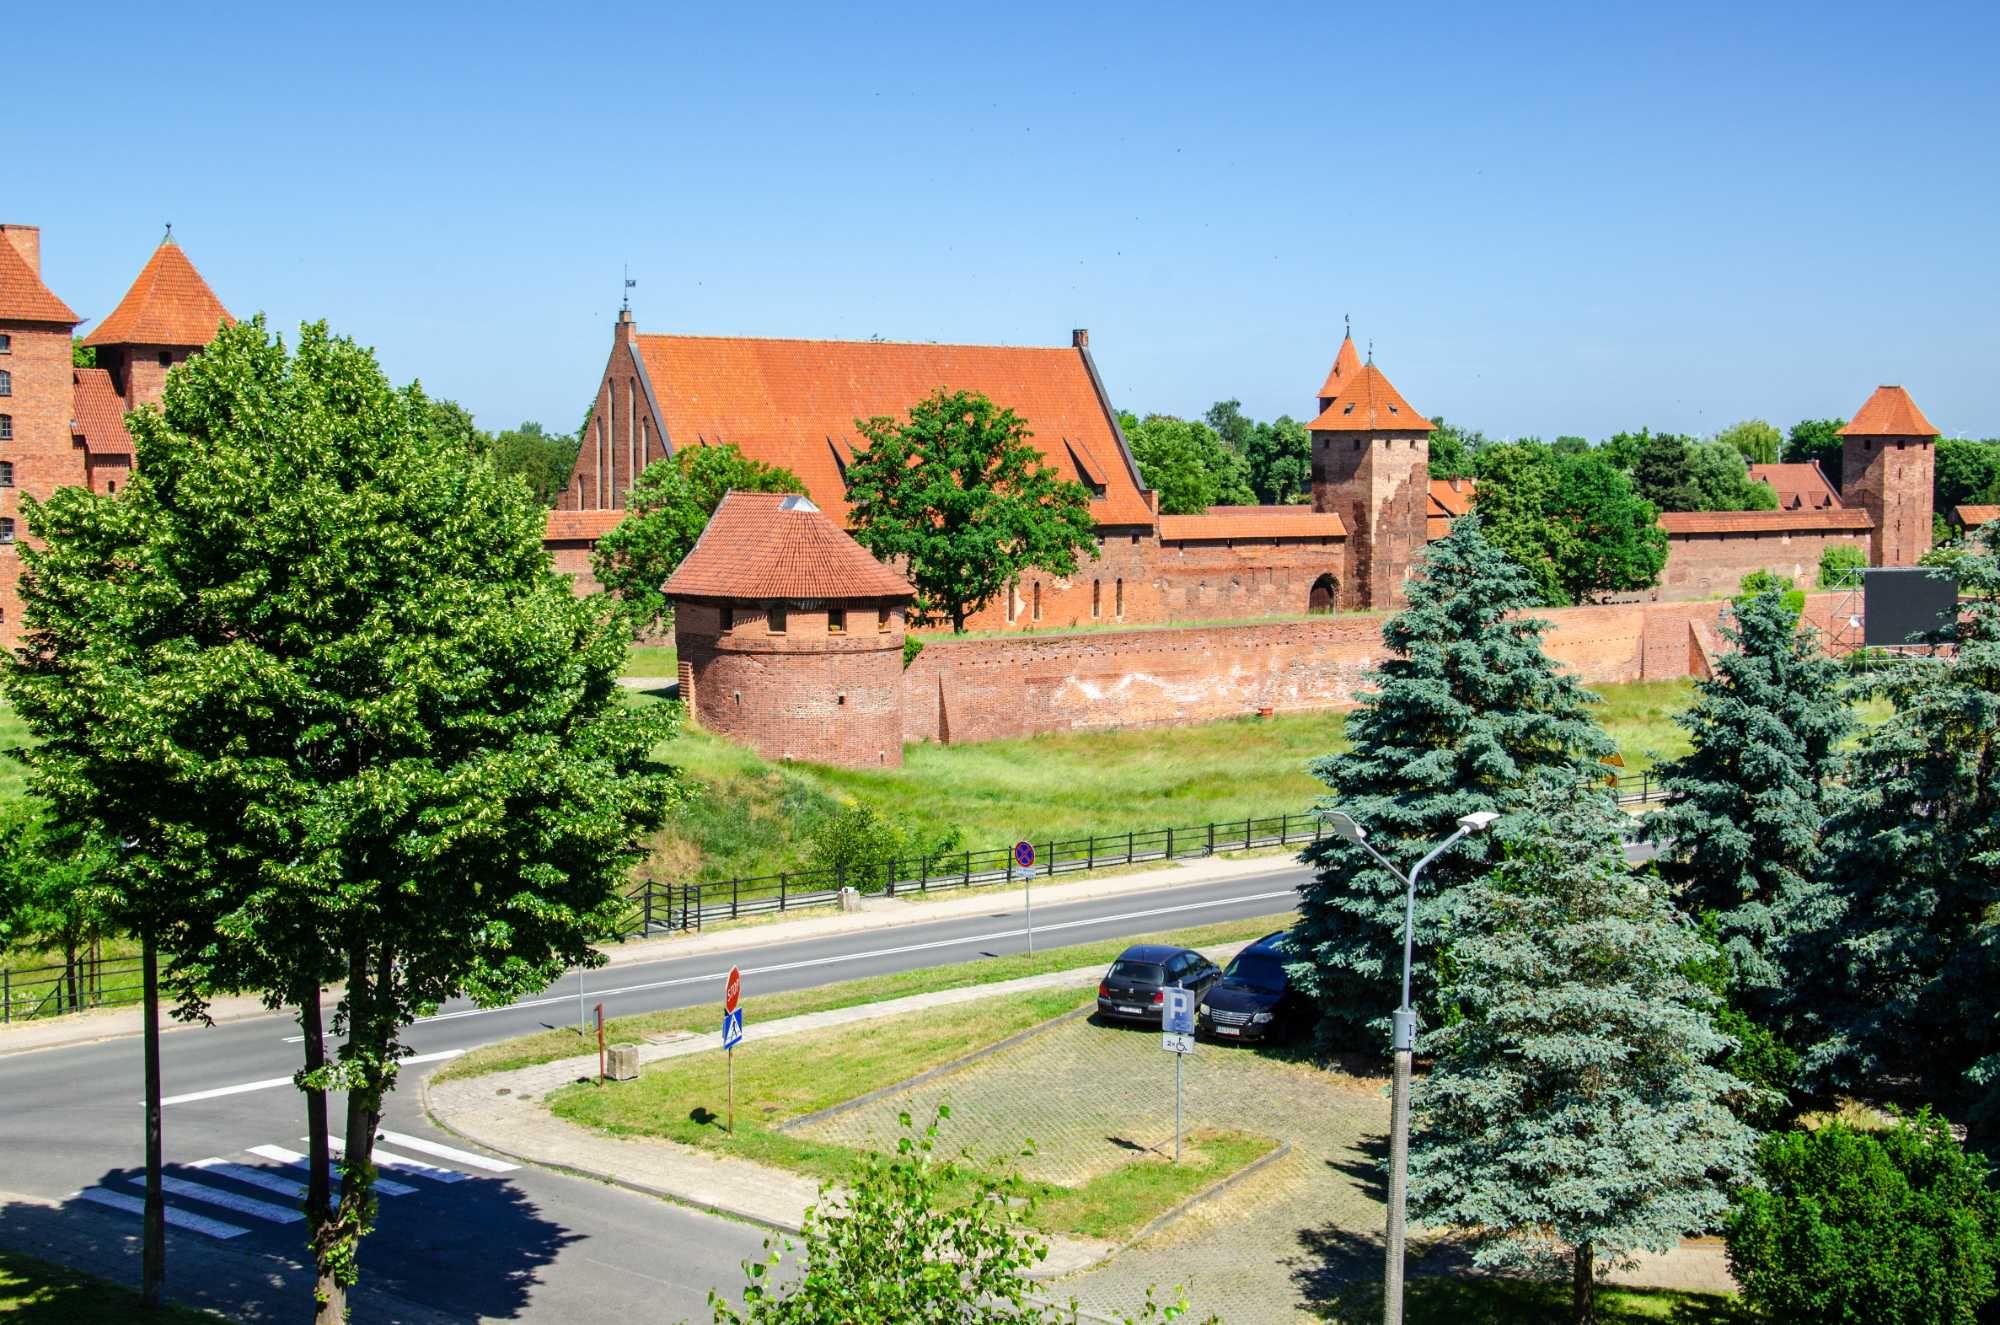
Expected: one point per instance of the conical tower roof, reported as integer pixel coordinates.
(1369, 402)
(1345, 365)
(169, 304)
(1889, 413)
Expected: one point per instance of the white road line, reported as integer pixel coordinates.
(446, 1152)
(242, 1205)
(293, 1159)
(179, 1218)
(250, 1177)
(390, 1160)
(271, 1084)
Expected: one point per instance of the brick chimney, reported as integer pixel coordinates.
(27, 241)
(623, 331)
(1080, 338)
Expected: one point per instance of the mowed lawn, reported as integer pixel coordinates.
(36, 1292)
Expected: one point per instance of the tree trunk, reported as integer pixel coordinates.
(1583, 1287)
(371, 1032)
(153, 1230)
(318, 1188)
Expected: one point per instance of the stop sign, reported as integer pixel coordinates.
(732, 991)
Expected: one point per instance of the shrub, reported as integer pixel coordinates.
(1849, 1228)
(1836, 561)
(1767, 581)
(856, 844)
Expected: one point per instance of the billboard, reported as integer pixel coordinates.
(1907, 605)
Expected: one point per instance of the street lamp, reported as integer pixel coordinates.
(1402, 1039)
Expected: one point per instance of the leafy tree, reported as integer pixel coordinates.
(543, 460)
(1518, 483)
(1722, 481)
(55, 890)
(1227, 421)
(1574, 1113)
(1817, 441)
(81, 355)
(447, 420)
(1836, 561)
(1571, 444)
(1610, 537)
(959, 493)
(1463, 714)
(1967, 473)
(1187, 464)
(1660, 471)
(666, 510)
(1849, 1228)
(858, 844)
(313, 665)
(1760, 581)
(1755, 440)
(1739, 835)
(1622, 449)
(918, 1239)
(1277, 456)
(1454, 450)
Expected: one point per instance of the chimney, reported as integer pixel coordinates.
(27, 240)
(1080, 339)
(622, 332)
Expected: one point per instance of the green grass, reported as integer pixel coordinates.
(684, 1100)
(651, 660)
(1481, 1300)
(547, 1046)
(36, 1292)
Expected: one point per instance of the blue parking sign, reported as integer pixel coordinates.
(732, 1028)
(1177, 1016)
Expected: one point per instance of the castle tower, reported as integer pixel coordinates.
(1886, 467)
(167, 315)
(1371, 467)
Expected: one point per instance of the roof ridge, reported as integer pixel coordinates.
(847, 340)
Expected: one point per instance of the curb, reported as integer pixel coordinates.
(1187, 1203)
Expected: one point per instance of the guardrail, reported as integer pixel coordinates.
(88, 982)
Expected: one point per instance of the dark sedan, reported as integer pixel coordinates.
(1255, 998)
(1135, 988)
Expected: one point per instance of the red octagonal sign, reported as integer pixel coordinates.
(732, 991)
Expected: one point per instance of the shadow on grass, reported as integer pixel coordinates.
(1490, 1300)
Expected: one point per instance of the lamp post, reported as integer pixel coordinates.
(1402, 1039)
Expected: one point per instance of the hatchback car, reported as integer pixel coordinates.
(1135, 988)
(1255, 998)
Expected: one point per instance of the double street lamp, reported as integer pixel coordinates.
(1402, 1039)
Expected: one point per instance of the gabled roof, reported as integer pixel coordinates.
(1764, 522)
(1450, 498)
(776, 545)
(1800, 487)
(794, 403)
(99, 413)
(1971, 517)
(1346, 363)
(1369, 403)
(580, 526)
(1220, 523)
(1889, 413)
(23, 297)
(169, 304)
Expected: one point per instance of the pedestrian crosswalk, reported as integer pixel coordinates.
(242, 1189)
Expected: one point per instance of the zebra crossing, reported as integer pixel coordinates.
(224, 1198)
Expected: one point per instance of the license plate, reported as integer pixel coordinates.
(1132, 1010)
(1228, 1030)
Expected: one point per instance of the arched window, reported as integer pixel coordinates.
(6, 383)
(6, 427)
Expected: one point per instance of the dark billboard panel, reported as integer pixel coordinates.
(1906, 605)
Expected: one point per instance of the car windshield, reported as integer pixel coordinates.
(1257, 970)
(1145, 973)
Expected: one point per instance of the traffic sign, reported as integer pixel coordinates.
(1177, 1017)
(732, 991)
(732, 1028)
(1024, 854)
(1177, 1043)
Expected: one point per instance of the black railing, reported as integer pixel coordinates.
(88, 982)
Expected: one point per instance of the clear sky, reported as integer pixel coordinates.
(1547, 219)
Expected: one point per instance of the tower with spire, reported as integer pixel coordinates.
(168, 314)
(1371, 467)
(1888, 457)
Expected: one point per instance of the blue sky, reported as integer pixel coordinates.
(1547, 219)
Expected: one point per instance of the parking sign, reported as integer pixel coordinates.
(1177, 1018)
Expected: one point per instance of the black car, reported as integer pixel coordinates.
(1255, 998)
(1134, 989)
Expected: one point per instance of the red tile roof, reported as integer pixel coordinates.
(169, 304)
(1974, 516)
(1346, 364)
(580, 526)
(1225, 522)
(772, 545)
(1889, 413)
(1450, 498)
(1799, 487)
(1752, 522)
(100, 413)
(1369, 403)
(784, 401)
(23, 297)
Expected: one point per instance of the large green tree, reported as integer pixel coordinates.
(1277, 456)
(1816, 441)
(962, 498)
(1574, 1111)
(666, 510)
(1517, 497)
(1462, 715)
(1758, 442)
(541, 459)
(313, 666)
(1678, 473)
(1187, 464)
(1609, 538)
(1454, 450)
(1967, 473)
(55, 887)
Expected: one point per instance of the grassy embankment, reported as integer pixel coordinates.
(1484, 1300)
(36, 1292)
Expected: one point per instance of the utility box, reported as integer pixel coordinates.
(850, 899)
(621, 1062)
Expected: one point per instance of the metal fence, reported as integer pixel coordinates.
(88, 982)
(655, 908)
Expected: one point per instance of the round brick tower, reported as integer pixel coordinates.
(790, 635)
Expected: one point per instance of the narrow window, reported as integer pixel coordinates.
(881, 619)
(6, 343)
(111, 485)
(6, 473)
(1118, 603)
(728, 617)
(166, 359)
(6, 427)
(836, 621)
(1013, 601)
(6, 383)
(1038, 601)
(1097, 598)
(6, 531)
(774, 618)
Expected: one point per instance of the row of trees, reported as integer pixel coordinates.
(1607, 1043)
(1223, 459)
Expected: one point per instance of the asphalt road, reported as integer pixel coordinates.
(463, 1242)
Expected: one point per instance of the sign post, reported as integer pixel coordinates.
(1024, 856)
(600, 1044)
(732, 1033)
(1177, 1038)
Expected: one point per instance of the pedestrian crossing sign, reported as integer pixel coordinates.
(732, 1028)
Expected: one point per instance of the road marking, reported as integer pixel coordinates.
(446, 1152)
(242, 1205)
(272, 1083)
(390, 1160)
(132, 1205)
(243, 1173)
(293, 1159)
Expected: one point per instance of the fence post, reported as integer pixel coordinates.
(1285, 829)
(1052, 858)
(1248, 824)
(1211, 837)
(6, 996)
(967, 881)
(646, 927)
(1090, 855)
(1170, 844)
(889, 877)
(735, 895)
(781, 890)
(1128, 846)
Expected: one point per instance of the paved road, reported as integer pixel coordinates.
(464, 1242)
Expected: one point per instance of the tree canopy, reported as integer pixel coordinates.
(1816, 441)
(1454, 450)
(1187, 464)
(1678, 473)
(963, 499)
(1967, 473)
(1571, 519)
(1277, 455)
(1758, 442)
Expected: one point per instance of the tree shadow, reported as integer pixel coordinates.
(466, 1251)
(1367, 1162)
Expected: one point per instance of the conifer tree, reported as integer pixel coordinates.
(1464, 713)
(1574, 1113)
(1740, 833)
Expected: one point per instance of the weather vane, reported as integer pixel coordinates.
(625, 306)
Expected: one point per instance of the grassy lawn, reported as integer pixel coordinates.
(1489, 1301)
(651, 660)
(547, 1046)
(683, 1100)
(34, 1292)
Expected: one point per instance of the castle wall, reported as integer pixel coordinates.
(1705, 565)
(43, 454)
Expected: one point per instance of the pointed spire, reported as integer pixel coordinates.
(1345, 364)
(169, 305)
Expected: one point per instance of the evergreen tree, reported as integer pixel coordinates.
(1464, 713)
(1740, 833)
(1574, 1113)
